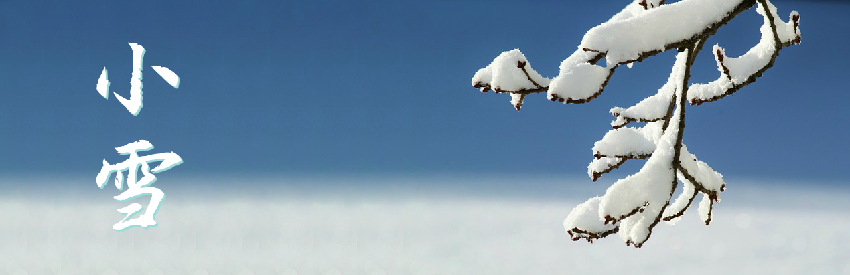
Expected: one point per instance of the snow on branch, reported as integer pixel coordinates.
(628, 142)
(678, 207)
(701, 175)
(634, 205)
(641, 30)
(583, 222)
(637, 202)
(666, 27)
(511, 73)
(603, 165)
(655, 107)
(737, 72)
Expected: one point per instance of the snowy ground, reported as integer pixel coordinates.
(412, 227)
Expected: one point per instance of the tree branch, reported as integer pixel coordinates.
(687, 205)
(699, 186)
(554, 97)
(576, 234)
(621, 209)
(596, 174)
(597, 155)
(720, 56)
(685, 43)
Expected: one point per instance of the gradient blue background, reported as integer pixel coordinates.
(383, 87)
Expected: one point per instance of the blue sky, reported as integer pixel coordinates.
(383, 87)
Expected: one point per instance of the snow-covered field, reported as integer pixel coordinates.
(411, 227)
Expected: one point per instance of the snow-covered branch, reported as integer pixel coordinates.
(737, 72)
(603, 165)
(641, 30)
(583, 222)
(678, 207)
(511, 73)
(656, 107)
(634, 205)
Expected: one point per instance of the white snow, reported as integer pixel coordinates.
(626, 141)
(168, 75)
(215, 225)
(602, 164)
(580, 82)
(648, 190)
(503, 73)
(635, 204)
(649, 109)
(709, 90)
(515, 99)
(757, 57)
(787, 31)
(704, 209)
(634, 9)
(619, 121)
(703, 173)
(784, 30)
(745, 66)
(653, 107)
(585, 217)
(578, 79)
(682, 201)
(624, 40)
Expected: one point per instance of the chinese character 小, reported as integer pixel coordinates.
(134, 104)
